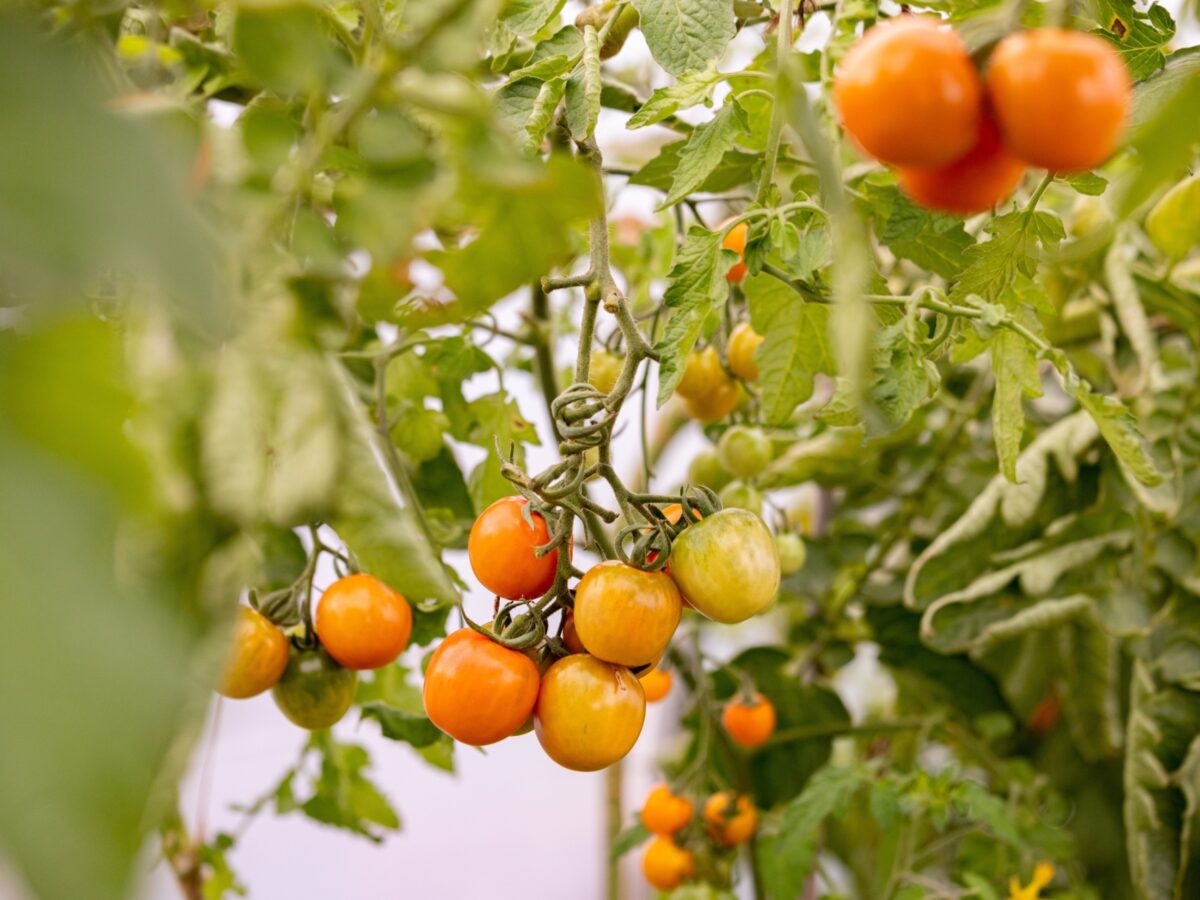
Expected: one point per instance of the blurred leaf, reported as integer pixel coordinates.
(1174, 222)
(286, 44)
(398, 725)
(629, 839)
(342, 795)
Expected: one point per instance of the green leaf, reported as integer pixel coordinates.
(786, 858)
(1091, 700)
(933, 241)
(686, 35)
(1122, 288)
(796, 345)
(541, 114)
(1015, 366)
(629, 839)
(286, 45)
(695, 287)
(584, 89)
(1174, 222)
(1121, 432)
(398, 725)
(704, 150)
(1088, 183)
(686, 92)
(735, 168)
(342, 795)
(527, 17)
(1141, 38)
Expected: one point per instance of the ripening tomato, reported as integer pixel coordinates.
(666, 865)
(739, 495)
(735, 240)
(362, 622)
(702, 375)
(727, 566)
(718, 404)
(570, 636)
(589, 713)
(315, 691)
(749, 724)
(986, 176)
(1060, 97)
(730, 819)
(909, 94)
(604, 369)
(257, 656)
(664, 812)
(744, 451)
(477, 691)
(705, 468)
(744, 342)
(655, 683)
(501, 550)
(624, 615)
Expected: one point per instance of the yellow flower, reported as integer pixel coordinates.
(1043, 874)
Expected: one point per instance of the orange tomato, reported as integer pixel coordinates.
(715, 406)
(362, 622)
(656, 683)
(702, 375)
(258, 654)
(744, 342)
(589, 713)
(730, 819)
(664, 812)
(909, 94)
(501, 550)
(1061, 97)
(735, 240)
(666, 865)
(570, 636)
(624, 615)
(987, 175)
(749, 724)
(477, 691)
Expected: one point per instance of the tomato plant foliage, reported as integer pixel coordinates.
(273, 274)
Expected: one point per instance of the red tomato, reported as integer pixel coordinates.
(501, 550)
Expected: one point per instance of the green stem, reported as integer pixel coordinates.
(783, 46)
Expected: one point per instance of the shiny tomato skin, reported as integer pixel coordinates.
(665, 865)
(570, 636)
(735, 240)
(624, 615)
(908, 93)
(1061, 97)
(717, 405)
(501, 550)
(744, 342)
(315, 692)
(257, 657)
(702, 374)
(986, 176)
(664, 812)
(749, 724)
(477, 691)
(589, 713)
(362, 622)
(729, 819)
(656, 683)
(727, 566)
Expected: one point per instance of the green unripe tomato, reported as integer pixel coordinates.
(314, 692)
(744, 451)
(603, 371)
(706, 469)
(626, 22)
(739, 495)
(791, 552)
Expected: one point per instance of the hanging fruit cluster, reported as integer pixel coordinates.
(909, 95)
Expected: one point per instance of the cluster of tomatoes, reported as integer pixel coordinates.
(910, 95)
(587, 707)
(360, 623)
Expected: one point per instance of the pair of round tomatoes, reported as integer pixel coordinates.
(709, 392)
(910, 96)
(361, 623)
(729, 820)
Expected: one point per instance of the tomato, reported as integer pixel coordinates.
(909, 94)
(735, 240)
(257, 656)
(730, 819)
(589, 713)
(597, 15)
(705, 468)
(665, 812)
(656, 683)
(362, 622)
(501, 550)
(1061, 97)
(792, 553)
(570, 636)
(1046, 714)
(718, 404)
(749, 724)
(739, 495)
(666, 865)
(727, 565)
(477, 691)
(624, 615)
(986, 176)
(744, 451)
(702, 374)
(315, 691)
(744, 342)
(604, 369)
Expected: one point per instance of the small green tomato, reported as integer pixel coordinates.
(744, 451)
(792, 552)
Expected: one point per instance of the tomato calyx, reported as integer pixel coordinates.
(648, 545)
